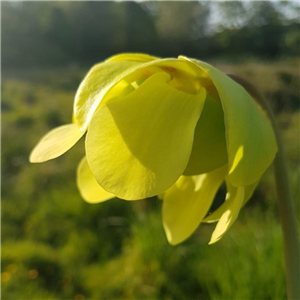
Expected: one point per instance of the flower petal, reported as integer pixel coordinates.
(209, 148)
(138, 57)
(94, 86)
(104, 76)
(235, 203)
(89, 188)
(217, 214)
(139, 145)
(55, 143)
(251, 144)
(187, 202)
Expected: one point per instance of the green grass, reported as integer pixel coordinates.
(56, 246)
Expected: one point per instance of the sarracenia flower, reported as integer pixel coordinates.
(176, 128)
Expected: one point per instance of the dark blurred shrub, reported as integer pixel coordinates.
(24, 121)
(53, 118)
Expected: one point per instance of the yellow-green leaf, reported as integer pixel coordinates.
(89, 189)
(187, 202)
(55, 143)
(139, 145)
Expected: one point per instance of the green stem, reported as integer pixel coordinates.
(285, 203)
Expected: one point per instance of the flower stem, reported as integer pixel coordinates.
(285, 203)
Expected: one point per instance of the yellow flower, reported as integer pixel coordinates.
(176, 128)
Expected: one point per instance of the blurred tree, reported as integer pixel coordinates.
(253, 28)
(85, 32)
(134, 29)
(57, 30)
(291, 44)
(180, 24)
(141, 32)
(91, 30)
(23, 42)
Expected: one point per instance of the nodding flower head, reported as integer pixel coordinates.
(175, 127)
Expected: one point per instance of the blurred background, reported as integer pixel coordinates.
(56, 246)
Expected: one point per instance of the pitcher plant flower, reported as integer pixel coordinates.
(175, 128)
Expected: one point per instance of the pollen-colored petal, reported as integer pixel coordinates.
(138, 57)
(251, 144)
(89, 188)
(137, 146)
(209, 148)
(235, 203)
(187, 202)
(55, 143)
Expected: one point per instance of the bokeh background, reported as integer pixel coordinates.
(56, 246)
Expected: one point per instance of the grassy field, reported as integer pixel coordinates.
(56, 246)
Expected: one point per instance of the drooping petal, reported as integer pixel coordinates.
(251, 144)
(55, 143)
(217, 214)
(187, 202)
(249, 190)
(139, 145)
(138, 57)
(230, 215)
(209, 148)
(89, 188)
